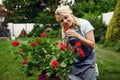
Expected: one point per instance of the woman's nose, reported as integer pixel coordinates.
(64, 20)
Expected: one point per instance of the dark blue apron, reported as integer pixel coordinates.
(83, 68)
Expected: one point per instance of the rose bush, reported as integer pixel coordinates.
(55, 58)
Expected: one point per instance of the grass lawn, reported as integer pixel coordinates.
(108, 62)
(10, 69)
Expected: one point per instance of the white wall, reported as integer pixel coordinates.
(107, 17)
(15, 29)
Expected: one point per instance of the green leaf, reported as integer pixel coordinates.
(63, 64)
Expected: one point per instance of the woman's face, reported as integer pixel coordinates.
(65, 19)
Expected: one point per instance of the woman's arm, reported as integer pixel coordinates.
(89, 41)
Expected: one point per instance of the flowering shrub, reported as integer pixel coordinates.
(54, 58)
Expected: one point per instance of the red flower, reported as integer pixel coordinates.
(71, 48)
(24, 62)
(77, 44)
(81, 52)
(66, 27)
(43, 35)
(54, 63)
(15, 43)
(33, 44)
(40, 42)
(63, 47)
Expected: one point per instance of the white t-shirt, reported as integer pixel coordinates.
(85, 27)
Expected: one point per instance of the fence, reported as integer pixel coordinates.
(15, 29)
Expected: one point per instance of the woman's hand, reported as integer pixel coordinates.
(73, 33)
(88, 41)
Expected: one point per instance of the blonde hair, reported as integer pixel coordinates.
(63, 10)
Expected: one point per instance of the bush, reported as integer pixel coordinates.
(113, 45)
(56, 58)
(53, 34)
(99, 28)
(36, 31)
(117, 47)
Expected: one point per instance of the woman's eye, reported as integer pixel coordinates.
(65, 17)
(61, 20)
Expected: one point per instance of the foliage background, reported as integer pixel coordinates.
(36, 9)
(30, 11)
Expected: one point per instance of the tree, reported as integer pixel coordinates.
(30, 10)
(113, 29)
(23, 10)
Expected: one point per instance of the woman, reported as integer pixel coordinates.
(80, 31)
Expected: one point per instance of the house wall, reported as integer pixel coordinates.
(106, 17)
(15, 29)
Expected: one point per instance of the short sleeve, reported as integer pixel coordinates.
(85, 26)
(88, 27)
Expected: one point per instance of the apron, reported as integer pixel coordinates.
(83, 68)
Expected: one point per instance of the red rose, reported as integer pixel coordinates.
(54, 63)
(71, 48)
(15, 43)
(33, 44)
(77, 44)
(66, 27)
(24, 62)
(43, 35)
(63, 47)
(81, 52)
(40, 42)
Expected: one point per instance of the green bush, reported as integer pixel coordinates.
(36, 31)
(113, 29)
(112, 45)
(99, 28)
(117, 47)
(82, 7)
(53, 34)
(108, 44)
